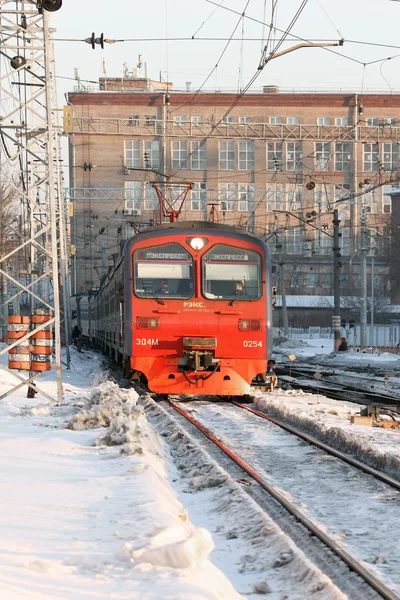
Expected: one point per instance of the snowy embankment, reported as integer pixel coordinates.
(329, 420)
(86, 507)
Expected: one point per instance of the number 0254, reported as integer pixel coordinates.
(252, 344)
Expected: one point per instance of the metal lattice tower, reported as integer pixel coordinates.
(34, 245)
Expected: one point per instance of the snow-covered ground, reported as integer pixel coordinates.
(94, 504)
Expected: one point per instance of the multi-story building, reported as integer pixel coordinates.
(277, 163)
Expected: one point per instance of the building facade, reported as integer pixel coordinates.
(276, 163)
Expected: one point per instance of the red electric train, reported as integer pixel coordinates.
(187, 309)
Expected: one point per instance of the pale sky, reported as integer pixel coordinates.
(375, 21)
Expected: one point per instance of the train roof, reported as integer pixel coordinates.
(197, 225)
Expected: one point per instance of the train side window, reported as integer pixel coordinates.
(163, 272)
(231, 273)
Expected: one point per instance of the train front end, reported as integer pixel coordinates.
(198, 310)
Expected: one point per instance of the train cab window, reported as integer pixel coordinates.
(163, 272)
(231, 273)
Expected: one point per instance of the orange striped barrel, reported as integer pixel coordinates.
(18, 357)
(42, 345)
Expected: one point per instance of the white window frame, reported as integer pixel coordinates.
(228, 196)
(294, 152)
(179, 153)
(227, 162)
(390, 154)
(245, 120)
(275, 157)
(197, 119)
(180, 120)
(275, 120)
(372, 121)
(370, 157)
(133, 120)
(150, 120)
(343, 158)
(150, 197)
(293, 120)
(323, 121)
(152, 147)
(323, 158)
(198, 197)
(133, 194)
(198, 156)
(133, 156)
(228, 119)
(341, 121)
(245, 196)
(246, 155)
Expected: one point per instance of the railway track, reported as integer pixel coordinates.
(236, 433)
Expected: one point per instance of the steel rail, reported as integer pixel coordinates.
(351, 562)
(311, 440)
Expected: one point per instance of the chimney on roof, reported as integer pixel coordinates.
(188, 85)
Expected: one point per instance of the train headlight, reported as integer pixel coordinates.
(147, 323)
(197, 243)
(249, 325)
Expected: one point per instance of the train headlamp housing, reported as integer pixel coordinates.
(197, 243)
(147, 323)
(249, 325)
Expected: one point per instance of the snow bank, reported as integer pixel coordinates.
(329, 422)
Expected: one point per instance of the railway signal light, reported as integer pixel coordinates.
(343, 323)
(352, 323)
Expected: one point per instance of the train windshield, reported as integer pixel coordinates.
(231, 273)
(163, 272)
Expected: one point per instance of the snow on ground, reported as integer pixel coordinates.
(94, 504)
(86, 509)
(329, 420)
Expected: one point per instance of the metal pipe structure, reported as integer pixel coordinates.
(336, 279)
(363, 290)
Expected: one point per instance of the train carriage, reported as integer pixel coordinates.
(187, 309)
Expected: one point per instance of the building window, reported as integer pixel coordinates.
(228, 196)
(133, 195)
(179, 154)
(133, 120)
(245, 196)
(324, 121)
(150, 120)
(372, 121)
(341, 121)
(132, 154)
(198, 158)
(293, 156)
(150, 197)
(322, 156)
(293, 120)
(311, 280)
(197, 119)
(227, 156)
(343, 156)
(245, 119)
(151, 155)
(180, 120)
(274, 156)
(227, 119)
(246, 155)
(294, 242)
(371, 156)
(390, 121)
(387, 200)
(390, 157)
(198, 195)
(275, 120)
(294, 198)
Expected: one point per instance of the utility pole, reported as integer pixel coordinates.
(336, 279)
(29, 132)
(285, 323)
(363, 258)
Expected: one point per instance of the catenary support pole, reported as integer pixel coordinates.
(336, 279)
